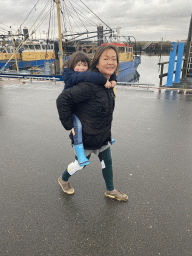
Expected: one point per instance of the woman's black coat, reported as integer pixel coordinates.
(94, 107)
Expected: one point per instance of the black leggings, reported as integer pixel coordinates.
(107, 171)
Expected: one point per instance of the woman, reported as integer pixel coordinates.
(95, 105)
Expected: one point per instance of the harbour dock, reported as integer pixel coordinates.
(152, 160)
(184, 86)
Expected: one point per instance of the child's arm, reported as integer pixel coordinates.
(113, 77)
(72, 77)
(96, 78)
(89, 76)
(68, 75)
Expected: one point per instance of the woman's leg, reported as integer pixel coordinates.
(78, 142)
(71, 169)
(107, 171)
(106, 163)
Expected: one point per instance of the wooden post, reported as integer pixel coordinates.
(161, 78)
(161, 74)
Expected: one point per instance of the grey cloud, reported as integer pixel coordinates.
(147, 20)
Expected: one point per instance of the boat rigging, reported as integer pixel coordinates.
(76, 30)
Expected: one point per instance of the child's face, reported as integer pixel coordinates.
(81, 66)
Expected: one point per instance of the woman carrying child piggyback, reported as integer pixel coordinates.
(86, 107)
(75, 73)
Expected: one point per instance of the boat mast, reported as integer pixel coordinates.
(60, 36)
(15, 57)
(15, 54)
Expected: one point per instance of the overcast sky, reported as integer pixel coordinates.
(147, 20)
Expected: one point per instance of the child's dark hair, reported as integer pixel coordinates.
(76, 57)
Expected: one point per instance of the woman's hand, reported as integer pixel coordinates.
(73, 131)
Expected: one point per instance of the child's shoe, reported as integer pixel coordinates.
(112, 141)
(79, 149)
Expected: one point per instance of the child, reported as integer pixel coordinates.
(76, 72)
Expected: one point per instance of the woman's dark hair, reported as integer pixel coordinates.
(99, 52)
(76, 57)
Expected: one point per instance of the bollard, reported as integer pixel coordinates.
(171, 64)
(179, 62)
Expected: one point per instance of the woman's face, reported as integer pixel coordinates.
(107, 63)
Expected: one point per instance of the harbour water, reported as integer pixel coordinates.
(149, 69)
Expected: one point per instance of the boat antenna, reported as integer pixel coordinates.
(95, 15)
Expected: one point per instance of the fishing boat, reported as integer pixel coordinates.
(31, 54)
(6, 51)
(35, 58)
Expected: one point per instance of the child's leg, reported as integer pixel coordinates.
(78, 142)
(78, 131)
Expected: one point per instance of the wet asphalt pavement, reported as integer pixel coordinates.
(152, 162)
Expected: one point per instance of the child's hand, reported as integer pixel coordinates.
(73, 131)
(108, 85)
(113, 83)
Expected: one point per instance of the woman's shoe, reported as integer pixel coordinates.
(115, 194)
(66, 187)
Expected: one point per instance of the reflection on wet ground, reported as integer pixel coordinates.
(152, 160)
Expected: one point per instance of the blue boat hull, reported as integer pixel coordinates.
(26, 64)
(128, 70)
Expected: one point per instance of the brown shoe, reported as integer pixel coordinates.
(65, 185)
(115, 194)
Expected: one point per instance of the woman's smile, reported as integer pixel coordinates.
(107, 63)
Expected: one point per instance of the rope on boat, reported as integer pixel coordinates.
(22, 43)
